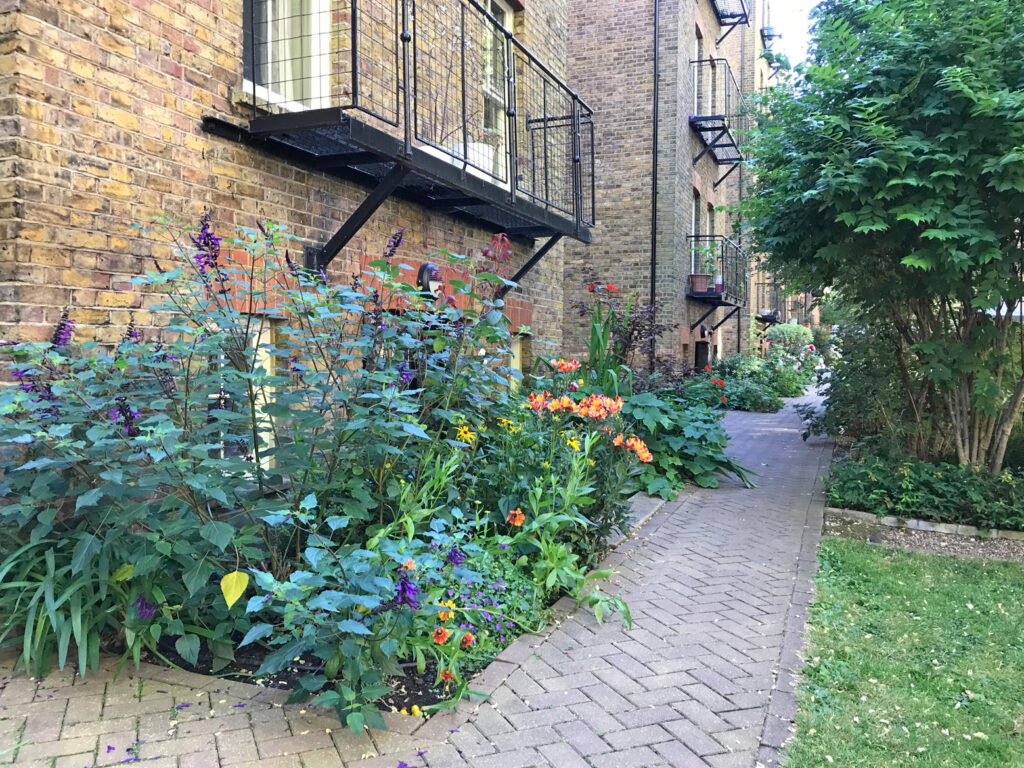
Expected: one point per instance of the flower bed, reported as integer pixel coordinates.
(319, 470)
(942, 493)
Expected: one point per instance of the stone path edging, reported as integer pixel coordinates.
(914, 524)
(782, 706)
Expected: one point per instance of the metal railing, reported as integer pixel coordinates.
(717, 94)
(442, 75)
(731, 278)
(731, 11)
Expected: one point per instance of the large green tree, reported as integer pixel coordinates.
(891, 168)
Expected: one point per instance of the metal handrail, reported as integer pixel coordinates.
(733, 265)
(431, 71)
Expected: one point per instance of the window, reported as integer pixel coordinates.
(698, 54)
(494, 87)
(286, 52)
(695, 265)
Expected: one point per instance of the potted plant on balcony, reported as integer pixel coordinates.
(482, 148)
(700, 281)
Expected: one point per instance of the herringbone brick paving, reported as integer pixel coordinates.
(717, 583)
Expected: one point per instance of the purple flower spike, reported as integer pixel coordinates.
(63, 331)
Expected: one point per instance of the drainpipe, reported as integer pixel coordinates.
(654, 171)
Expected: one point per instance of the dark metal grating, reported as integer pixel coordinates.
(731, 12)
(438, 86)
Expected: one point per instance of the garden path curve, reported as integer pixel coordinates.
(718, 583)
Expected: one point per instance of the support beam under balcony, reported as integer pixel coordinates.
(359, 217)
(525, 269)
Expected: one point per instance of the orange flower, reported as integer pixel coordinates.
(468, 640)
(565, 366)
(516, 517)
(446, 675)
(618, 441)
(441, 635)
(409, 565)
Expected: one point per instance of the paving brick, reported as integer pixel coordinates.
(637, 736)
(236, 747)
(293, 744)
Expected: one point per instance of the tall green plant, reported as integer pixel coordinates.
(891, 169)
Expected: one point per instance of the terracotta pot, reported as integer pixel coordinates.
(699, 283)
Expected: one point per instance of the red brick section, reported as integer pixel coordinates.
(718, 583)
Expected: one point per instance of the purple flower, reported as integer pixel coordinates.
(63, 331)
(455, 557)
(207, 245)
(405, 373)
(131, 334)
(144, 608)
(182, 706)
(407, 593)
(394, 243)
(124, 414)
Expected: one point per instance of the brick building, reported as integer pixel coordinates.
(708, 58)
(320, 115)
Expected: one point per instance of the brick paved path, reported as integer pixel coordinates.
(718, 583)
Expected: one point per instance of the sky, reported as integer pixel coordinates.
(790, 18)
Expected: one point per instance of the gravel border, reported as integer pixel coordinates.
(888, 532)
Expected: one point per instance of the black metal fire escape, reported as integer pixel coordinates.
(730, 14)
(432, 102)
(718, 114)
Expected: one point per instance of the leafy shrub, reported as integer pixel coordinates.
(687, 442)
(789, 337)
(945, 493)
(332, 441)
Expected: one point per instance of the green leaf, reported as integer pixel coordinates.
(218, 533)
(123, 573)
(355, 722)
(187, 647)
(89, 498)
(256, 632)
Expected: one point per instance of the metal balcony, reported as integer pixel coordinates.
(433, 101)
(730, 14)
(729, 285)
(719, 113)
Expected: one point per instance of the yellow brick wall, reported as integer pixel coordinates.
(100, 107)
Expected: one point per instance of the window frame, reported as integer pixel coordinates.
(319, 55)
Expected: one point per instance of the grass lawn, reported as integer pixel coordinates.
(913, 660)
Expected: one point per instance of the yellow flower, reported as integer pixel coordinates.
(466, 435)
(573, 443)
(446, 615)
(415, 711)
(591, 462)
(546, 464)
(505, 424)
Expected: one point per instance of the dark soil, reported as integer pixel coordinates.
(411, 689)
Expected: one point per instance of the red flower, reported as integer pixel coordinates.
(468, 640)
(611, 287)
(724, 400)
(446, 675)
(707, 368)
(592, 287)
(441, 635)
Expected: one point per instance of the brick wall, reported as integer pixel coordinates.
(611, 61)
(100, 107)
